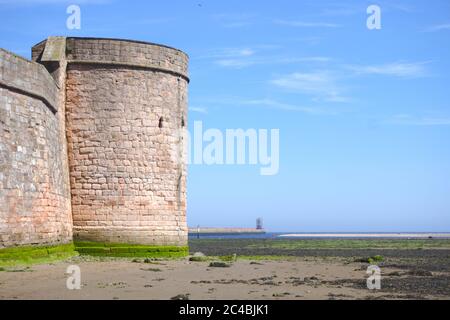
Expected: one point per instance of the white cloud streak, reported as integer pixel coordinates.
(409, 120)
(249, 56)
(397, 69)
(273, 104)
(198, 110)
(322, 85)
(439, 27)
(251, 61)
(229, 53)
(267, 103)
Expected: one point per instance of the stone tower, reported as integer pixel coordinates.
(111, 128)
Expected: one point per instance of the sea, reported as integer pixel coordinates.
(326, 235)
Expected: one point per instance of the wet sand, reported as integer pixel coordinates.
(288, 274)
(296, 279)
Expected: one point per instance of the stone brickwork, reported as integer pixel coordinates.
(93, 145)
(131, 53)
(34, 189)
(32, 79)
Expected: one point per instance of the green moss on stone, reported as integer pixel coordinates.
(200, 258)
(375, 259)
(27, 255)
(129, 250)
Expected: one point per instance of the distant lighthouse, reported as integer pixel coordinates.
(259, 224)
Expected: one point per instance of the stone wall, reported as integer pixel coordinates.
(32, 79)
(127, 53)
(34, 191)
(126, 106)
(91, 143)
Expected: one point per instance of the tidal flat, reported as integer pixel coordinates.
(249, 269)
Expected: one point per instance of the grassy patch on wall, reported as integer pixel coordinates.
(27, 255)
(129, 250)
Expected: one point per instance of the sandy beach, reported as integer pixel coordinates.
(282, 273)
(294, 279)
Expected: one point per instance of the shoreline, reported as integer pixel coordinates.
(441, 235)
(223, 231)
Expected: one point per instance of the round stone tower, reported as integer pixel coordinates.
(126, 105)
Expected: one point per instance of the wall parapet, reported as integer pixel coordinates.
(127, 53)
(29, 78)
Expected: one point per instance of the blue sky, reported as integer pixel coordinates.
(364, 115)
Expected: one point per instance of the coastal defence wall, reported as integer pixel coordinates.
(126, 107)
(92, 149)
(35, 206)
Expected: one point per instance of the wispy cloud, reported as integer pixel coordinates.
(327, 84)
(266, 103)
(322, 85)
(235, 63)
(198, 109)
(306, 24)
(232, 57)
(255, 55)
(273, 104)
(228, 53)
(409, 120)
(397, 69)
(269, 60)
(439, 27)
(342, 8)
